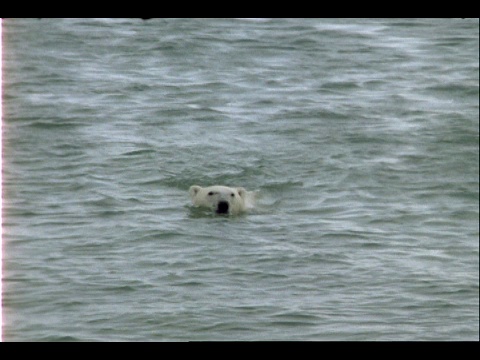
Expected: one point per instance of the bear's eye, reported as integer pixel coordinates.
(232, 195)
(210, 193)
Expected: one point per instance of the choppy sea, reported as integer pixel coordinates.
(360, 136)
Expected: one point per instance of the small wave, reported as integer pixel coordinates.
(55, 124)
(139, 152)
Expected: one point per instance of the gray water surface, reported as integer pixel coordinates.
(360, 136)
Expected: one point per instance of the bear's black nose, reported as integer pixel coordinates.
(222, 207)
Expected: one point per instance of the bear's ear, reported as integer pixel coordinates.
(194, 189)
(242, 192)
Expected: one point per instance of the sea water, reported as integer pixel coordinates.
(359, 136)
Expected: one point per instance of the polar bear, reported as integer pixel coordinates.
(221, 199)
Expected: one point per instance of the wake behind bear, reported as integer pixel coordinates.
(221, 199)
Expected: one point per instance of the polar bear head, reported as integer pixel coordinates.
(221, 199)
